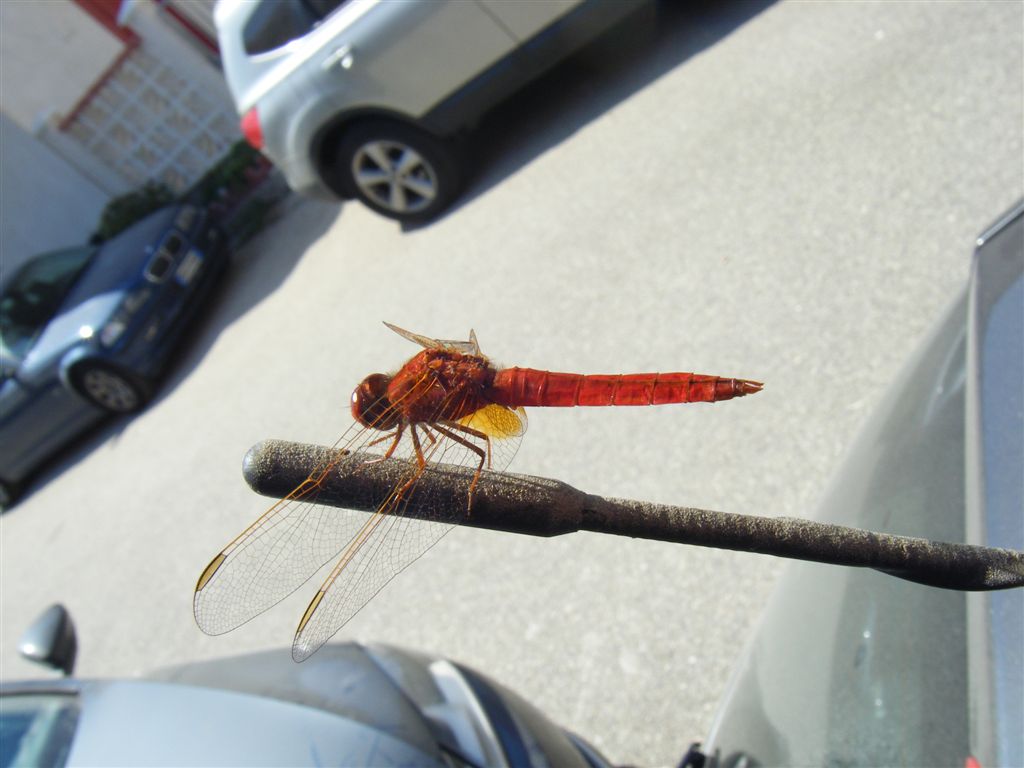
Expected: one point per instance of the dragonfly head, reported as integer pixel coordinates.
(370, 404)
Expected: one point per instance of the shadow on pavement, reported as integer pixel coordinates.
(623, 61)
(257, 269)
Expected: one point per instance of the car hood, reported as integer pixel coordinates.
(71, 326)
(347, 705)
(118, 264)
(115, 268)
(153, 723)
(340, 679)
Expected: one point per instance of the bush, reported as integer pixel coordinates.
(221, 189)
(123, 211)
(228, 176)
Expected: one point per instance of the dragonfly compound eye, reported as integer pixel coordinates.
(370, 404)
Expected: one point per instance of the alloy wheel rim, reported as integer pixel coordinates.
(394, 176)
(109, 390)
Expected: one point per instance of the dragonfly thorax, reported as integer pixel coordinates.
(371, 406)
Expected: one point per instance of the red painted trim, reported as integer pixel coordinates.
(106, 12)
(205, 40)
(90, 94)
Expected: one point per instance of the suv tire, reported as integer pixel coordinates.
(9, 493)
(398, 170)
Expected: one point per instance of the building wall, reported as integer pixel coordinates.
(51, 53)
(44, 202)
(162, 112)
(95, 108)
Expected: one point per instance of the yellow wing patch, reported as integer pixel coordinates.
(496, 421)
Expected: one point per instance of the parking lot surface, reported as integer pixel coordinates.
(783, 192)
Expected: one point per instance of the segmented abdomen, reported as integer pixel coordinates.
(516, 387)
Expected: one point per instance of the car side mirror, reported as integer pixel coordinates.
(51, 640)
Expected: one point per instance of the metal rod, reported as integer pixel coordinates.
(543, 507)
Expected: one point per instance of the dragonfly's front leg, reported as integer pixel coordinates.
(421, 461)
(395, 439)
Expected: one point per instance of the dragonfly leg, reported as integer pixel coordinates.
(420, 458)
(434, 445)
(395, 439)
(484, 454)
(421, 462)
(483, 436)
(379, 440)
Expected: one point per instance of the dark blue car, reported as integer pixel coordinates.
(85, 331)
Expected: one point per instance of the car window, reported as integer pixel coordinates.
(37, 729)
(35, 294)
(277, 22)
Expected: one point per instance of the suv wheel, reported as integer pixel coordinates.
(399, 171)
(8, 493)
(108, 387)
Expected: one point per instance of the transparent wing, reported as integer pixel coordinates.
(279, 552)
(296, 537)
(470, 347)
(388, 542)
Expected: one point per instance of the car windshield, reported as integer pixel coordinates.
(36, 292)
(37, 728)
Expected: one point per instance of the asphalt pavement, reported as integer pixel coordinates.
(782, 192)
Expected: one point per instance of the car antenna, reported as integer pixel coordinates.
(543, 507)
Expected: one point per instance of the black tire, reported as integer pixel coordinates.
(399, 171)
(108, 387)
(9, 493)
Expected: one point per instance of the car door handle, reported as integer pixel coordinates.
(341, 55)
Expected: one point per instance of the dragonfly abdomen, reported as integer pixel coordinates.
(516, 387)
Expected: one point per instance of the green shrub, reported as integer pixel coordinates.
(123, 211)
(225, 183)
(227, 176)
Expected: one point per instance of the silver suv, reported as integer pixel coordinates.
(360, 98)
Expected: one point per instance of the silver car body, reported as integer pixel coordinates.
(350, 704)
(435, 65)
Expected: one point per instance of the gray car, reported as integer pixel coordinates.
(855, 668)
(350, 705)
(360, 98)
(85, 331)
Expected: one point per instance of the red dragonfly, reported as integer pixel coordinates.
(448, 404)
